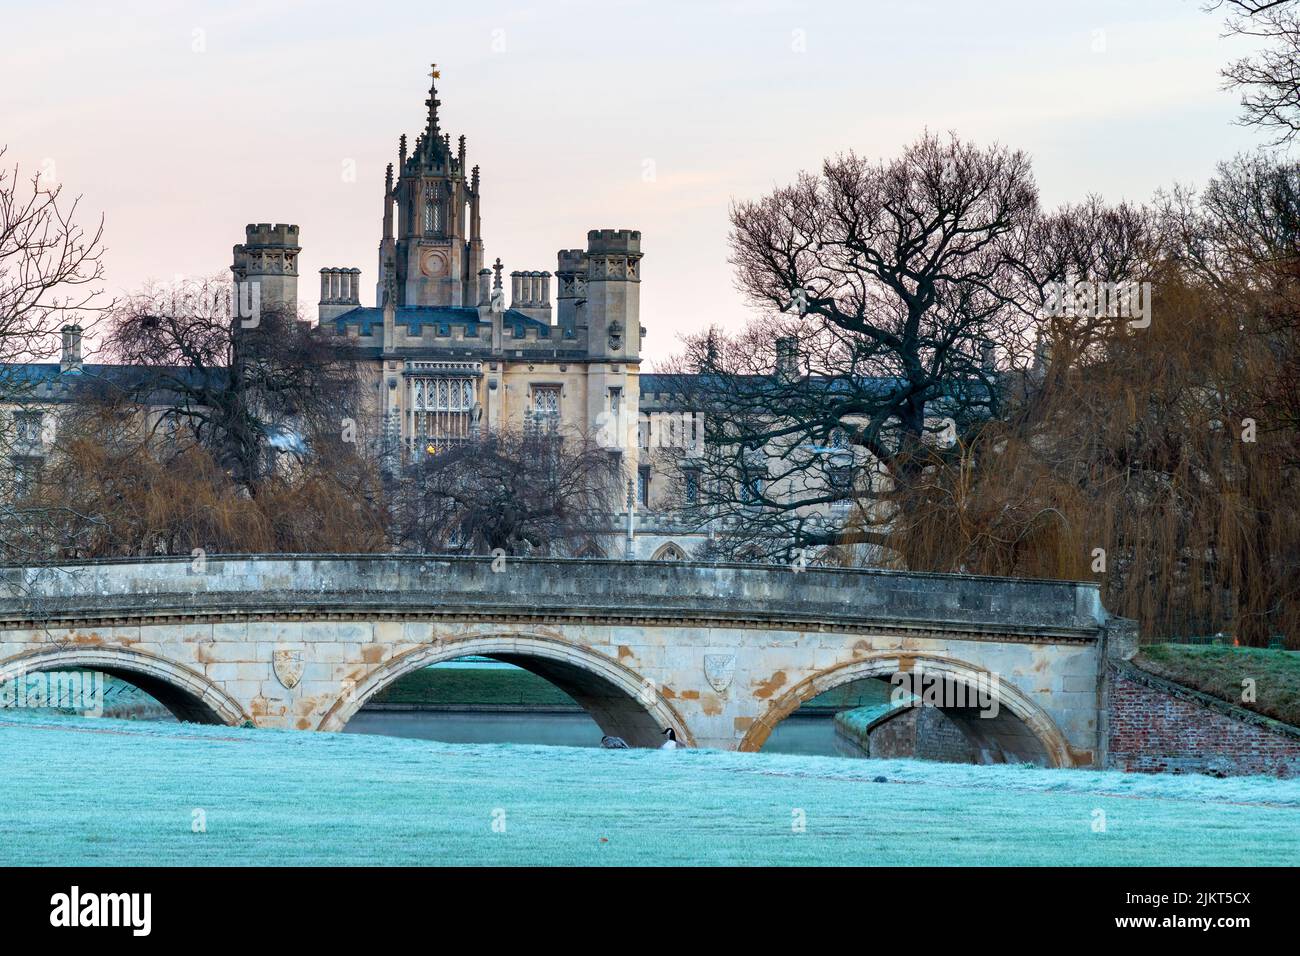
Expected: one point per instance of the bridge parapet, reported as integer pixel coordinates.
(527, 587)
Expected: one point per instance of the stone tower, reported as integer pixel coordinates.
(613, 288)
(268, 257)
(571, 291)
(434, 246)
(612, 310)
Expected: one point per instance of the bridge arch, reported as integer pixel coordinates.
(185, 692)
(622, 702)
(1022, 728)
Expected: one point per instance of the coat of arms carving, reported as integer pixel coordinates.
(288, 665)
(719, 669)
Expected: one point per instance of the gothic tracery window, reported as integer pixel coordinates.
(442, 410)
(27, 427)
(546, 407)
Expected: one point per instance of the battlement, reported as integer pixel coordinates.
(571, 260)
(269, 257)
(614, 240)
(280, 235)
(445, 334)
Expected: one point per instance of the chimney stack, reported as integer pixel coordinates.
(71, 357)
(787, 358)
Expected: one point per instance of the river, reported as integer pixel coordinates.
(799, 734)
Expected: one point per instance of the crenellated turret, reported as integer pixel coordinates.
(571, 291)
(614, 292)
(612, 311)
(268, 257)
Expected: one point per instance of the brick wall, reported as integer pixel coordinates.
(1158, 726)
(926, 733)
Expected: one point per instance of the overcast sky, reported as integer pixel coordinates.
(182, 122)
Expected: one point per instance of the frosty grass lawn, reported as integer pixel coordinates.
(113, 792)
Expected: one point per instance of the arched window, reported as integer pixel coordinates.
(590, 550)
(669, 552)
(430, 215)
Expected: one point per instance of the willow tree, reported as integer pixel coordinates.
(115, 490)
(238, 386)
(1159, 460)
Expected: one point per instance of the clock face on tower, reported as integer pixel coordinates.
(433, 264)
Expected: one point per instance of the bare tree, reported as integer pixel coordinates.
(1096, 246)
(1269, 80)
(891, 291)
(51, 269)
(238, 386)
(524, 492)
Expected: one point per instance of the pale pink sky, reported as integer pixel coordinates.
(184, 121)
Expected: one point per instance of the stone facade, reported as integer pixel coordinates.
(721, 653)
(448, 350)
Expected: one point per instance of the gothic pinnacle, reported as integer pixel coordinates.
(433, 102)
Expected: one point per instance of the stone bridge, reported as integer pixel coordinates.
(721, 653)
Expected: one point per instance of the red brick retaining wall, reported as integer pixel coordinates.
(1159, 726)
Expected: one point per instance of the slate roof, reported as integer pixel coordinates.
(416, 317)
(879, 386)
(48, 381)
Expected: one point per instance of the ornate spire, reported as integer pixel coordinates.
(388, 203)
(433, 102)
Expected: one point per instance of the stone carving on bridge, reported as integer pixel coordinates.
(288, 664)
(719, 669)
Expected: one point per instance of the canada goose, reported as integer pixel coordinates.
(672, 743)
(613, 743)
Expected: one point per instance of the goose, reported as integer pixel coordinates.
(613, 743)
(672, 743)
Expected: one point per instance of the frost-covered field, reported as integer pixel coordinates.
(82, 791)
